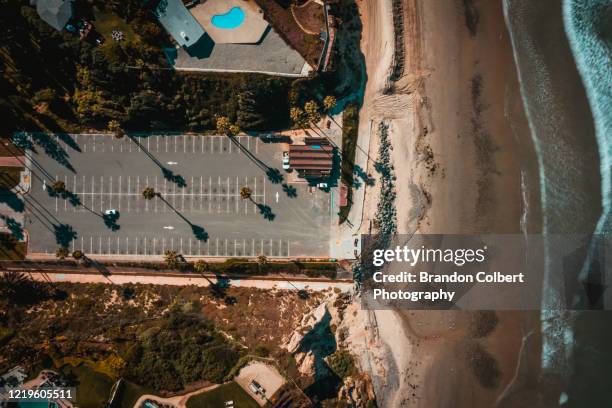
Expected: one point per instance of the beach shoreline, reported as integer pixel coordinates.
(464, 163)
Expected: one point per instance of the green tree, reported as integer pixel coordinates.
(61, 253)
(149, 193)
(329, 103)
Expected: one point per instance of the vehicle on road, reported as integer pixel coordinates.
(286, 161)
(112, 211)
(322, 185)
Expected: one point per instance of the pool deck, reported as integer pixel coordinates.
(249, 32)
(271, 56)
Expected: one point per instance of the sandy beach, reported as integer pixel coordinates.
(461, 154)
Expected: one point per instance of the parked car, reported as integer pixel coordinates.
(322, 185)
(286, 161)
(112, 211)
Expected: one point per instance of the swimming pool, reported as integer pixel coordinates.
(232, 19)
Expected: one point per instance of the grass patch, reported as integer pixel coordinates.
(11, 249)
(105, 22)
(218, 396)
(92, 389)
(129, 394)
(350, 128)
(10, 177)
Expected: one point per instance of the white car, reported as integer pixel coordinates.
(112, 211)
(286, 161)
(322, 185)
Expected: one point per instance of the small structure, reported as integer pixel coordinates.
(179, 22)
(313, 159)
(56, 13)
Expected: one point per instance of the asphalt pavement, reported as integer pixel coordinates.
(199, 210)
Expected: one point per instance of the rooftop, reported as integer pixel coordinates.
(179, 22)
(56, 13)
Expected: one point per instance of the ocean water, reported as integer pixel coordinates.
(562, 49)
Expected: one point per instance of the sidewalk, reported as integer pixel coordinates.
(346, 237)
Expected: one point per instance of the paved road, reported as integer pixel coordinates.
(200, 211)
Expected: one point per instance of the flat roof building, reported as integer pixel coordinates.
(56, 13)
(179, 22)
(314, 159)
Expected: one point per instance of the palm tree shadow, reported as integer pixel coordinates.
(110, 221)
(14, 227)
(64, 234)
(167, 173)
(266, 211)
(291, 191)
(273, 174)
(12, 200)
(199, 232)
(174, 178)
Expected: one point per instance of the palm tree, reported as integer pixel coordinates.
(223, 125)
(234, 130)
(226, 127)
(298, 117)
(149, 193)
(61, 253)
(329, 103)
(58, 186)
(312, 111)
(115, 127)
(246, 193)
(200, 266)
(172, 258)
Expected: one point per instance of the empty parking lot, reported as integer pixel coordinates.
(199, 211)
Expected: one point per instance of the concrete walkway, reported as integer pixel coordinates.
(186, 280)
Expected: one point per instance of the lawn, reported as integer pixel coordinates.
(129, 394)
(218, 396)
(106, 22)
(93, 388)
(9, 177)
(11, 249)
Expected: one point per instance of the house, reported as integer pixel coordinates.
(179, 22)
(56, 13)
(314, 159)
